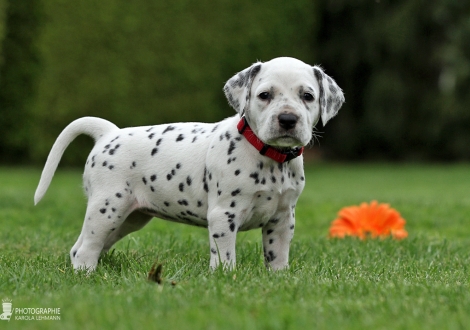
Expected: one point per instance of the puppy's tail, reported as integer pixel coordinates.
(92, 126)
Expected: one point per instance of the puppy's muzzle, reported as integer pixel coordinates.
(287, 121)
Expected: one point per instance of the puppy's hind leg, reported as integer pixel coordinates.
(76, 246)
(134, 222)
(100, 221)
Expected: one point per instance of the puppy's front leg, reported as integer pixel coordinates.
(277, 235)
(222, 237)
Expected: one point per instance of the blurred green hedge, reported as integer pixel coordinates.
(403, 65)
(143, 62)
(3, 9)
(405, 69)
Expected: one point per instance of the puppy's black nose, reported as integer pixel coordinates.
(287, 120)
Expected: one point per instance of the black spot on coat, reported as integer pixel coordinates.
(231, 147)
(236, 192)
(169, 128)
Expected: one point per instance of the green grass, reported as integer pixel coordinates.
(421, 282)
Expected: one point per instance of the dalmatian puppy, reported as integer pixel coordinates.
(242, 173)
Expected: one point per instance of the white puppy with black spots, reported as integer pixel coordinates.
(242, 173)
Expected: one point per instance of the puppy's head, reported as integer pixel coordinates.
(283, 99)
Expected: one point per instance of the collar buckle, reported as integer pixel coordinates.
(293, 153)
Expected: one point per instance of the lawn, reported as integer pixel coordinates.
(421, 282)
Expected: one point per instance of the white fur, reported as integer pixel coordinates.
(206, 175)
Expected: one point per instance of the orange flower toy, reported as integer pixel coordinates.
(374, 220)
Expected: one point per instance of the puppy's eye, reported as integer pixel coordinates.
(308, 97)
(264, 96)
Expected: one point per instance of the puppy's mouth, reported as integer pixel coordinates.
(285, 142)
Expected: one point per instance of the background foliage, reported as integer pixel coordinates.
(404, 66)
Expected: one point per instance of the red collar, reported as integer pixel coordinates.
(264, 149)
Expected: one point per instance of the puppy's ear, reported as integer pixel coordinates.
(238, 88)
(331, 96)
